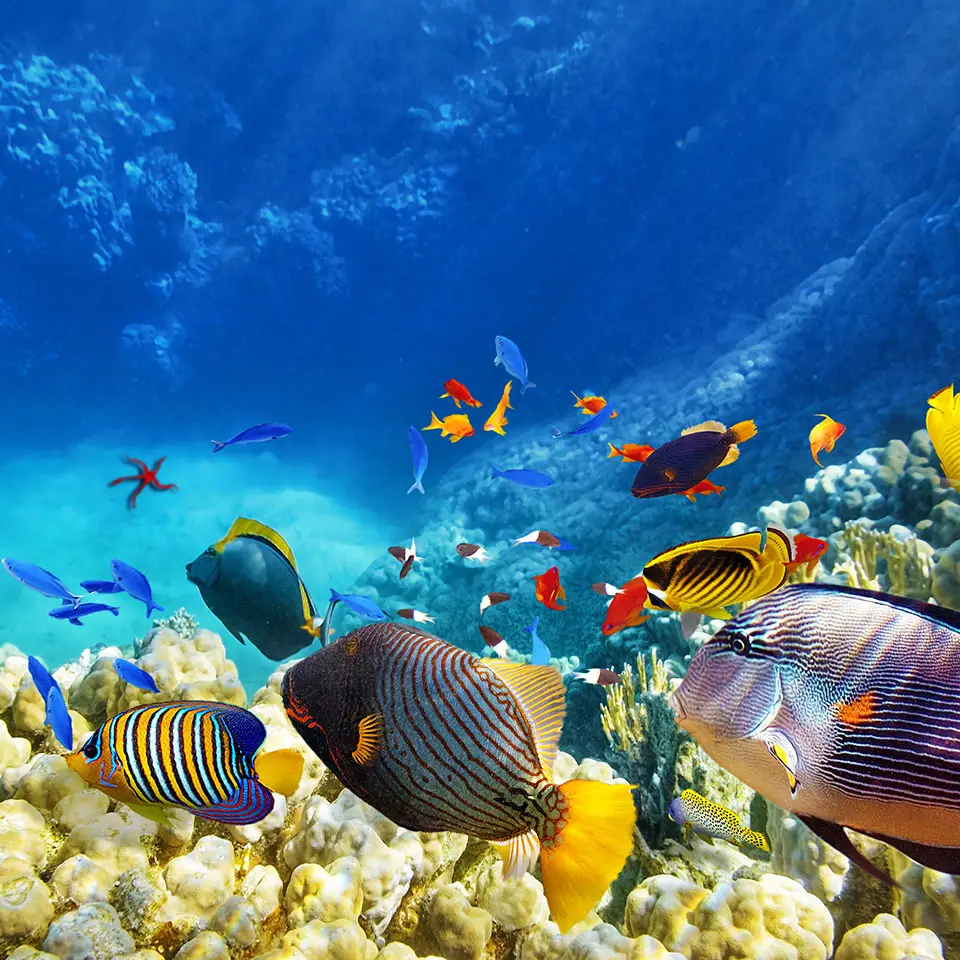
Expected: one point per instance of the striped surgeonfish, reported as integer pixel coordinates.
(841, 706)
(187, 753)
(943, 425)
(437, 739)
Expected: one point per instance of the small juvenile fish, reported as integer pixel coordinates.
(57, 717)
(459, 393)
(703, 488)
(806, 550)
(626, 609)
(101, 586)
(542, 537)
(491, 599)
(695, 812)
(258, 434)
(541, 652)
(456, 426)
(363, 606)
(525, 478)
(40, 580)
(406, 555)
(599, 676)
(943, 425)
(418, 616)
(605, 589)
(548, 589)
(498, 419)
(630, 452)
(823, 436)
(509, 355)
(420, 456)
(72, 614)
(473, 551)
(589, 405)
(594, 423)
(135, 584)
(130, 673)
(493, 640)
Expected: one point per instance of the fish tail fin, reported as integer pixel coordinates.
(755, 839)
(580, 861)
(496, 473)
(279, 770)
(115, 611)
(218, 445)
(416, 485)
(435, 423)
(578, 399)
(741, 431)
(527, 386)
(614, 452)
(151, 606)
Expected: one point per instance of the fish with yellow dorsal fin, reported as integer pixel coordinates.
(943, 425)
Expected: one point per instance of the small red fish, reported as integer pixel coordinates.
(145, 477)
(630, 452)
(807, 550)
(824, 435)
(703, 488)
(549, 589)
(491, 599)
(493, 640)
(459, 393)
(626, 608)
(599, 676)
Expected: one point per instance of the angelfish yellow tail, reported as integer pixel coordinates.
(589, 851)
(279, 770)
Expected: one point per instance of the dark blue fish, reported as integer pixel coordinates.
(525, 478)
(58, 718)
(508, 353)
(36, 578)
(72, 614)
(258, 434)
(363, 606)
(101, 586)
(541, 652)
(41, 676)
(130, 673)
(588, 426)
(135, 584)
(420, 454)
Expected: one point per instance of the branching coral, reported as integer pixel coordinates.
(908, 559)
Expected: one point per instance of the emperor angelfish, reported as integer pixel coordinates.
(249, 581)
(842, 706)
(438, 739)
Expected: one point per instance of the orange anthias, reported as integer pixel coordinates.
(626, 608)
(459, 393)
(589, 405)
(456, 426)
(630, 452)
(498, 419)
(806, 550)
(703, 487)
(549, 589)
(824, 435)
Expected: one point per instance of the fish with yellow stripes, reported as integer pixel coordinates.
(943, 425)
(194, 754)
(437, 739)
(696, 813)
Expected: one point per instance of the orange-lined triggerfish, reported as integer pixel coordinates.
(842, 706)
(437, 739)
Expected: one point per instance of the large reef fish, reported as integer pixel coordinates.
(438, 739)
(842, 706)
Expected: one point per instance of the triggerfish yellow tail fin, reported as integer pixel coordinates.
(739, 432)
(279, 770)
(583, 858)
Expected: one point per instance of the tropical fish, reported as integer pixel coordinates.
(40, 580)
(549, 589)
(703, 488)
(194, 754)
(418, 616)
(630, 452)
(589, 405)
(420, 456)
(249, 581)
(101, 586)
(599, 676)
(498, 419)
(705, 576)
(456, 426)
(362, 606)
(594, 423)
(626, 608)
(364, 705)
(541, 652)
(493, 640)
(143, 478)
(135, 584)
(943, 425)
(682, 463)
(509, 355)
(525, 478)
(57, 716)
(806, 550)
(473, 551)
(406, 555)
(545, 539)
(824, 435)
(491, 599)
(72, 614)
(258, 434)
(695, 812)
(130, 673)
(840, 706)
(458, 392)
(606, 589)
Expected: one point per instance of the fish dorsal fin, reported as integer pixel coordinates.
(749, 542)
(711, 426)
(543, 696)
(779, 545)
(732, 454)
(943, 400)
(246, 729)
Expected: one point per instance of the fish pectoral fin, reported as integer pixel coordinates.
(732, 454)
(369, 739)
(783, 751)
(279, 770)
(837, 837)
(519, 853)
(670, 474)
(152, 812)
(689, 621)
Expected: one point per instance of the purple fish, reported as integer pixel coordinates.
(258, 434)
(135, 584)
(132, 674)
(420, 455)
(588, 426)
(36, 578)
(101, 586)
(525, 478)
(72, 614)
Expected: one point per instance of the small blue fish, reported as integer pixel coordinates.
(258, 434)
(36, 578)
(363, 606)
(130, 673)
(588, 426)
(134, 583)
(541, 652)
(42, 678)
(101, 586)
(525, 478)
(420, 454)
(508, 354)
(58, 718)
(72, 614)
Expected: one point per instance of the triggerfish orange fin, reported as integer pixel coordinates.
(837, 837)
(279, 770)
(519, 853)
(370, 736)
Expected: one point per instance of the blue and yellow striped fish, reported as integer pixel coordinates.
(437, 739)
(194, 754)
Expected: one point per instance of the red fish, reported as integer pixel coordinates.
(459, 393)
(591, 406)
(626, 608)
(824, 435)
(549, 589)
(807, 550)
(630, 452)
(703, 487)
(145, 477)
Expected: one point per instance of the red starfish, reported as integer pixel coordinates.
(147, 476)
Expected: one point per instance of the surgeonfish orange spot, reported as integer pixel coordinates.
(859, 710)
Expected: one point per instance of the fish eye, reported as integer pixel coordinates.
(739, 643)
(90, 749)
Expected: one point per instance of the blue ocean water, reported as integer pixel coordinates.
(319, 213)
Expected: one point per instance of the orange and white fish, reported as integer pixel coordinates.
(549, 589)
(407, 556)
(806, 550)
(491, 599)
(456, 426)
(590, 406)
(498, 419)
(824, 435)
(943, 425)
(459, 393)
(473, 551)
(493, 640)
(599, 676)
(605, 589)
(703, 487)
(626, 609)
(543, 537)
(630, 452)
(418, 616)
